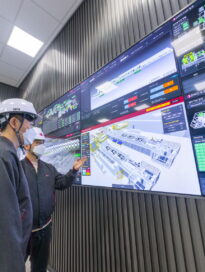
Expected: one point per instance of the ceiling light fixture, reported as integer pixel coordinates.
(24, 42)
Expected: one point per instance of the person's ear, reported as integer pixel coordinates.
(14, 123)
(27, 147)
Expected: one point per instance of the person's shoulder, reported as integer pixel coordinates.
(7, 154)
(7, 150)
(9, 158)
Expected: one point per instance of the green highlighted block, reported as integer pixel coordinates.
(200, 155)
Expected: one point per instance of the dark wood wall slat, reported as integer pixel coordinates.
(167, 8)
(183, 3)
(127, 238)
(185, 234)
(68, 231)
(138, 233)
(160, 239)
(116, 233)
(135, 21)
(201, 217)
(93, 240)
(167, 234)
(153, 12)
(176, 235)
(97, 229)
(160, 11)
(110, 232)
(154, 250)
(108, 241)
(196, 234)
(125, 231)
(121, 231)
(174, 5)
(145, 233)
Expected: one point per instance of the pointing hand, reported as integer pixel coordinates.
(79, 163)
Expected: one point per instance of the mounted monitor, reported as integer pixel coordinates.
(143, 119)
(143, 76)
(188, 30)
(148, 150)
(39, 121)
(62, 117)
(142, 116)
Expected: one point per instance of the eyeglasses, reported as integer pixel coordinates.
(29, 117)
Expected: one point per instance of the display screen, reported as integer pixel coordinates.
(143, 76)
(141, 116)
(150, 151)
(61, 153)
(39, 121)
(189, 46)
(63, 116)
(189, 37)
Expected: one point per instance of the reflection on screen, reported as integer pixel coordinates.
(62, 153)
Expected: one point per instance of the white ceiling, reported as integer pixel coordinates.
(41, 18)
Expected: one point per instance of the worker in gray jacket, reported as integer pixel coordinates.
(43, 180)
(16, 116)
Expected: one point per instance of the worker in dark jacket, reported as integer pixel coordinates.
(15, 204)
(43, 180)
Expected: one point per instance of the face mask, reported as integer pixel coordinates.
(29, 136)
(39, 150)
(20, 153)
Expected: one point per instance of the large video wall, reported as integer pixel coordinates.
(140, 120)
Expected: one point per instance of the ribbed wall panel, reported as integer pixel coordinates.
(104, 230)
(107, 230)
(7, 92)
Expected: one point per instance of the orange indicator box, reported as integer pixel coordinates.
(167, 84)
(172, 89)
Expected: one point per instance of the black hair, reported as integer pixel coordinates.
(4, 124)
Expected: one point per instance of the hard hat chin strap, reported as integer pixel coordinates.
(19, 139)
(17, 132)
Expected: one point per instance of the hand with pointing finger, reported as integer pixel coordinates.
(79, 163)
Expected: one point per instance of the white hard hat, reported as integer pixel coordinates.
(39, 135)
(17, 106)
(33, 134)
